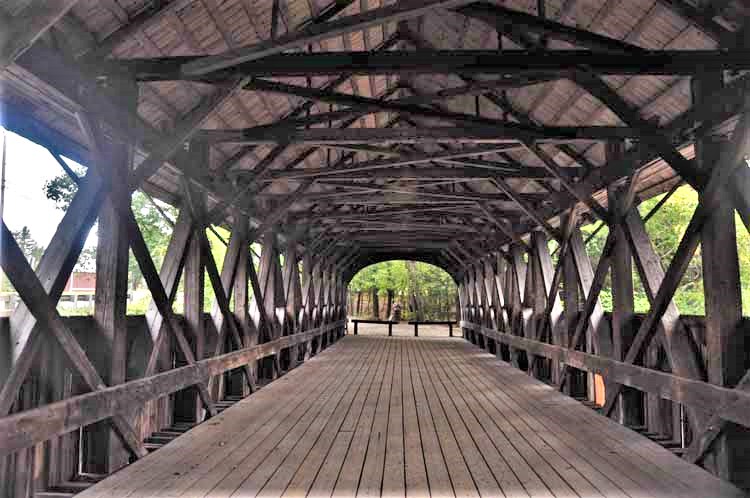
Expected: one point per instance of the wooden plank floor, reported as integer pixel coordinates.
(400, 416)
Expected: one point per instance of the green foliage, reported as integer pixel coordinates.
(61, 190)
(30, 248)
(156, 232)
(434, 287)
(666, 228)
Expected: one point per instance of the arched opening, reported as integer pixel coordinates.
(418, 297)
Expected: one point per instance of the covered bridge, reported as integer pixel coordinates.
(466, 134)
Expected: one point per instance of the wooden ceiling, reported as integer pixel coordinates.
(464, 122)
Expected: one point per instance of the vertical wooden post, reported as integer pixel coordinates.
(356, 323)
(105, 451)
(416, 329)
(623, 303)
(725, 342)
(293, 294)
(191, 409)
(241, 294)
(571, 305)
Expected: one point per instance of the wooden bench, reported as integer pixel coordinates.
(417, 323)
(357, 321)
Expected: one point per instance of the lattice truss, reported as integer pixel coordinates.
(464, 134)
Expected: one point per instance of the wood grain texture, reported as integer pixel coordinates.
(402, 416)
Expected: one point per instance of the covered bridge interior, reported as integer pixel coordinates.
(466, 134)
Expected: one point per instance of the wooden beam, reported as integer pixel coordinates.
(523, 204)
(318, 32)
(496, 15)
(465, 62)
(678, 389)
(185, 129)
(383, 164)
(683, 357)
(169, 276)
(222, 286)
(54, 269)
(31, 427)
(500, 127)
(19, 32)
(111, 293)
(26, 283)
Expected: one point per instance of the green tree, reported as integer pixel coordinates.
(433, 287)
(155, 228)
(30, 248)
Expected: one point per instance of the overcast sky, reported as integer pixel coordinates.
(28, 167)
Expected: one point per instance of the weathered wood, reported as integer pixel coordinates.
(723, 303)
(193, 298)
(465, 62)
(222, 286)
(169, 275)
(54, 269)
(26, 283)
(623, 301)
(318, 32)
(496, 15)
(40, 424)
(19, 32)
(679, 389)
(107, 453)
(680, 348)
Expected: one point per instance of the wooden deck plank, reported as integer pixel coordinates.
(517, 477)
(404, 416)
(371, 480)
(264, 456)
(214, 469)
(676, 474)
(628, 478)
(302, 460)
(495, 457)
(332, 446)
(155, 468)
(350, 469)
(584, 478)
(394, 478)
(458, 470)
(415, 471)
(540, 436)
(439, 478)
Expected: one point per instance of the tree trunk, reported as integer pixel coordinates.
(389, 302)
(375, 304)
(359, 303)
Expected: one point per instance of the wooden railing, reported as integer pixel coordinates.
(27, 428)
(728, 404)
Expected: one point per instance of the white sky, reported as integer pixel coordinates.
(28, 167)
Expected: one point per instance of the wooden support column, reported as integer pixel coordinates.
(547, 302)
(293, 293)
(599, 333)
(629, 406)
(187, 405)
(571, 305)
(104, 451)
(271, 295)
(725, 341)
(241, 294)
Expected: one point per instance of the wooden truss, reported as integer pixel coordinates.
(482, 193)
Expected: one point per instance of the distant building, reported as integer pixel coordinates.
(78, 292)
